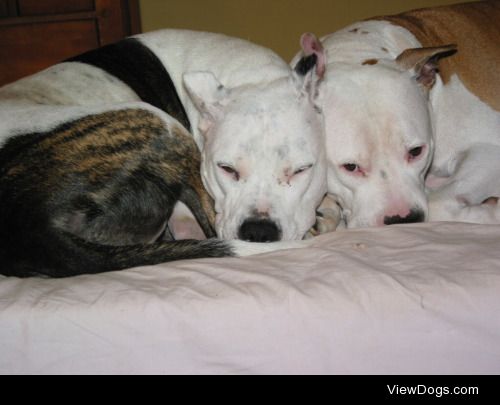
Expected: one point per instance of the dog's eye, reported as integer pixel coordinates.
(350, 167)
(302, 169)
(414, 153)
(229, 170)
(353, 169)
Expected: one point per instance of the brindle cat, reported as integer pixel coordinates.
(95, 195)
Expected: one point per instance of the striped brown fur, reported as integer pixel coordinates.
(95, 194)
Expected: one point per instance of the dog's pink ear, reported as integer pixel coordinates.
(314, 56)
(424, 62)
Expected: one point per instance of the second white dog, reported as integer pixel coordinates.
(392, 117)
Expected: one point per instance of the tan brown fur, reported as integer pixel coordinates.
(475, 28)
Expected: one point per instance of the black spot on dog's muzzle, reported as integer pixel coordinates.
(259, 230)
(415, 215)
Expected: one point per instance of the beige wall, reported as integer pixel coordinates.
(277, 24)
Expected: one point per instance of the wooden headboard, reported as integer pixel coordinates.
(35, 34)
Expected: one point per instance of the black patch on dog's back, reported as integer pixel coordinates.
(138, 67)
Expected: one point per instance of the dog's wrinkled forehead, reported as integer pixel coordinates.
(266, 151)
(274, 123)
(381, 82)
(370, 100)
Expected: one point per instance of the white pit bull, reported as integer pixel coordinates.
(253, 118)
(392, 118)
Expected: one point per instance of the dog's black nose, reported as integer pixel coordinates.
(259, 230)
(413, 216)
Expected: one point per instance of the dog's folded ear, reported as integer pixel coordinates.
(310, 68)
(313, 56)
(208, 96)
(424, 62)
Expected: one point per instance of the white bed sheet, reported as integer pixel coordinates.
(418, 299)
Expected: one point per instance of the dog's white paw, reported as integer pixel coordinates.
(328, 218)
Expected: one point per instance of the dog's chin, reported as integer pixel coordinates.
(224, 233)
(361, 223)
(230, 230)
(295, 235)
